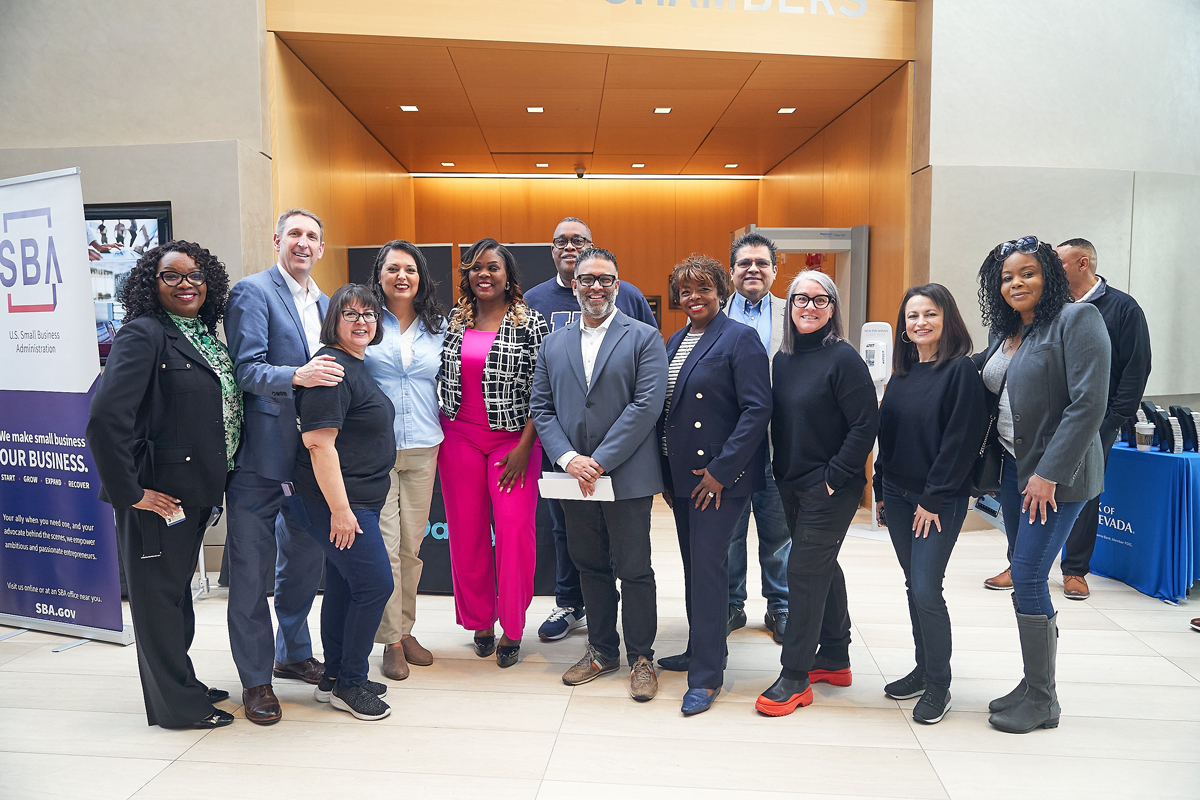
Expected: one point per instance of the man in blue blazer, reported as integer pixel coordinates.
(598, 390)
(273, 324)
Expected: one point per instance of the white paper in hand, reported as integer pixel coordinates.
(560, 486)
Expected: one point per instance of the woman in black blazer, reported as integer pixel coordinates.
(713, 431)
(164, 426)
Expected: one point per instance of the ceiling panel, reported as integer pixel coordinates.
(472, 104)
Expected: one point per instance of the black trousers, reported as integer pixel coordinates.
(610, 541)
(1077, 554)
(160, 602)
(704, 538)
(816, 586)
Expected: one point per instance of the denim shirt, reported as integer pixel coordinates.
(756, 315)
(413, 391)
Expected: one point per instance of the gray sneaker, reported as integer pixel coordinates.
(588, 668)
(360, 702)
(643, 683)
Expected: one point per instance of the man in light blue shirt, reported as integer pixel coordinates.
(753, 270)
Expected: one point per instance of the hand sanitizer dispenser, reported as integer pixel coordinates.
(875, 347)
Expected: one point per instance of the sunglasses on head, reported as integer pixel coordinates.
(1026, 244)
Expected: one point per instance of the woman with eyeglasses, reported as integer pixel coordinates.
(164, 425)
(1047, 362)
(823, 427)
(489, 459)
(342, 482)
(931, 423)
(405, 364)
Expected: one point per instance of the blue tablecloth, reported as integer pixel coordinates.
(1149, 533)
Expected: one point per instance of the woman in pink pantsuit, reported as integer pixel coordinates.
(490, 458)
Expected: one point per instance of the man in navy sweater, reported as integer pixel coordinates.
(555, 300)
(1127, 380)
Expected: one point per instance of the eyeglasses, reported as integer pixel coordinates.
(579, 241)
(746, 263)
(1026, 244)
(350, 315)
(816, 301)
(589, 281)
(175, 278)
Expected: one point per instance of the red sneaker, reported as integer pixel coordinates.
(780, 700)
(835, 677)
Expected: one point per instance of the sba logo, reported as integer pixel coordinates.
(37, 260)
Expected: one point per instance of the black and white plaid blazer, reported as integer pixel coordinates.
(507, 373)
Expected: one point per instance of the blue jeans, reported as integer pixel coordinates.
(267, 550)
(774, 547)
(1034, 546)
(924, 561)
(358, 585)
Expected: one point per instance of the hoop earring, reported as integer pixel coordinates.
(507, 284)
(904, 334)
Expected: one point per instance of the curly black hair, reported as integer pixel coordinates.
(139, 295)
(425, 303)
(1002, 319)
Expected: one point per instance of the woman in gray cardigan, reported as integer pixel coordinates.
(1048, 361)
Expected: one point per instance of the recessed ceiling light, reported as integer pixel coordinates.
(408, 108)
(787, 110)
(534, 109)
(541, 165)
(730, 166)
(447, 163)
(638, 166)
(662, 110)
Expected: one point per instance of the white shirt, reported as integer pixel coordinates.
(305, 298)
(1088, 295)
(590, 341)
(406, 343)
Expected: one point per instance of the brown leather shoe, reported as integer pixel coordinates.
(414, 653)
(309, 670)
(261, 705)
(1196, 624)
(1001, 582)
(394, 665)
(1075, 587)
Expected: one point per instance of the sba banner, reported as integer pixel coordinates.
(58, 557)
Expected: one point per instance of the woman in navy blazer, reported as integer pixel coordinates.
(713, 433)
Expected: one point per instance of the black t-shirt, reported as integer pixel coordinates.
(365, 445)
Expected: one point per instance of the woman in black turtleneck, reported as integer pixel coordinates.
(931, 425)
(823, 427)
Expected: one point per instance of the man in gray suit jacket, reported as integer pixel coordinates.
(753, 269)
(598, 390)
(273, 324)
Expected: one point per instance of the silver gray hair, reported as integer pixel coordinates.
(788, 345)
(301, 212)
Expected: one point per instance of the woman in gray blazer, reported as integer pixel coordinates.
(1047, 361)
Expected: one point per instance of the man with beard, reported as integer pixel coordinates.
(598, 390)
(555, 300)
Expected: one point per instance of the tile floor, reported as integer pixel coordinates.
(72, 723)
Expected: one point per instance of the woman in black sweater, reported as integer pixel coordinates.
(931, 424)
(823, 426)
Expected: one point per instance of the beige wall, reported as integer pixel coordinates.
(327, 162)
(1088, 130)
(856, 171)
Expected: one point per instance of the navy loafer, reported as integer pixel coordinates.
(697, 701)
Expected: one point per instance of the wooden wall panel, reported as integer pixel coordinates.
(847, 167)
(456, 210)
(325, 161)
(530, 209)
(773, 192)
(891, 193)
(858, 170)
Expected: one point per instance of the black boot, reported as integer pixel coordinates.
(1038, 707)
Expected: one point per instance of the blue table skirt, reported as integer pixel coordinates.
(1150, 521)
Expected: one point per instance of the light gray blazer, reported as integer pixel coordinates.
(614, 420)
(778, 320)
(1058, 390)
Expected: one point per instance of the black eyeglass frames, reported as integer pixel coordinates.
(580, 242)
(816, 301)
(350, 315)
(591, 280)
(176, 278)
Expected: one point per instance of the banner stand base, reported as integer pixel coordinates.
(123, 637)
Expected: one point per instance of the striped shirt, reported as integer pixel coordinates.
(685, 349)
